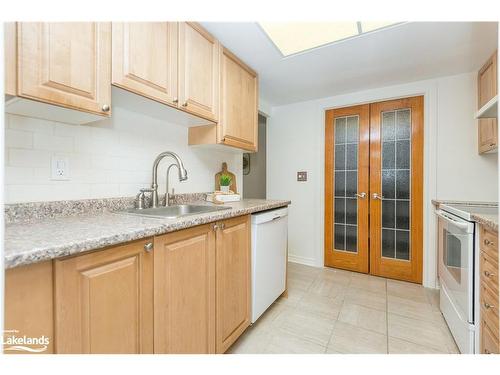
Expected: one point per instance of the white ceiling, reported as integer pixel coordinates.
(403, 53)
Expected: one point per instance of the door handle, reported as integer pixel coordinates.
(360, 195)
(377, 196)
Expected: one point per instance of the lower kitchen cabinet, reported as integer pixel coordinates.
(488, 291)
(29, 307)
(233, 285)
(187, 291)
(104, 301)
(184, 297)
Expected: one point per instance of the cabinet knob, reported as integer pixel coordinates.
(148, 247)
(222, 226)
(488, 274)
(486, 351)
(175, 100)
(105, 108)
(185, 104)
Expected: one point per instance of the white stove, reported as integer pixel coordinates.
(458, 269)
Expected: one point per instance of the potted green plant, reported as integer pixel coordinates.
(225, 182)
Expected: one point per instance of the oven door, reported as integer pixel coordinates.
(456, 262)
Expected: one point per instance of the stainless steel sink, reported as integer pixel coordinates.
(172, 212)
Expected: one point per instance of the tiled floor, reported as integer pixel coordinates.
(335, 311)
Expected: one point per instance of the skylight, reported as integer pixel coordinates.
(295, 37)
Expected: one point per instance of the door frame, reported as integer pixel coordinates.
(358, 261)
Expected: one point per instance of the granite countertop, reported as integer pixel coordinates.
(55, 237)
(488, 220)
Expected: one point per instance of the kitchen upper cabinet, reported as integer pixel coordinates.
(239, 101)
(184, 282)
(198, 71)
(145, 59)
(10, 58)
(238, 117)
(104, 301)
(65, 64)
(487, 135)
(487, 90)
(233, 282)
(487, 81)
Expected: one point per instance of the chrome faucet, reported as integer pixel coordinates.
(154, 184)
(168, 196)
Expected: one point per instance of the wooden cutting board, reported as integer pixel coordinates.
(224, 170)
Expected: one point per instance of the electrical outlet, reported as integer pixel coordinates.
(59, 168)
(302, 176)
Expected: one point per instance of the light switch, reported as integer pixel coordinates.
(302, 176)
(59, 168)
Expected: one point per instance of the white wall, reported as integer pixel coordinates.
(110, 158)
(452, 167)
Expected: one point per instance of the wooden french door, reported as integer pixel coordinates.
(347, 134)
(387, 239)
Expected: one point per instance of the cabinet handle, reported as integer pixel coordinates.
(486, 351)
(222, 226)
(105, 108)
(488, 306)
(185, 104)
(488, 274)
(488, 242)
(175, 100)
(148, 247)
(215, 227)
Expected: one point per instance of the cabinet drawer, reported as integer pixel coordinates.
(489, 343)
(489, 272)
(489, 244)
(489, 308)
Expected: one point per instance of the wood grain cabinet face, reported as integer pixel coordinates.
(239, 103)
(145, 59)
(184, 278)
(104, 301)
(198, 71)
(487, 135)
(29, 305)
(66, 64)
(487, 81)
(232, 280)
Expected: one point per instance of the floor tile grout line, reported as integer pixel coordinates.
(387, 317)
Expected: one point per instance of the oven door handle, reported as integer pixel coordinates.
(464, 226)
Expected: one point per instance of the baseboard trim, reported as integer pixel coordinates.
(301, 260)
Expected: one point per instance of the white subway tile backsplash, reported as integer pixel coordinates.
(18, 138)
(28, 158)
(108, 158)
(30, 124)
(51, 142)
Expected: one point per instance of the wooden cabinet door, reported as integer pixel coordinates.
(184, 279)
(239, 102)
(145, 59)
(487, 81)
(66, 64)
(487, 135)
(104, 301)
(198, 71)
(232, 280)
(10, 58)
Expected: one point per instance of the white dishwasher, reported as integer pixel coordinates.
(269, 257)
